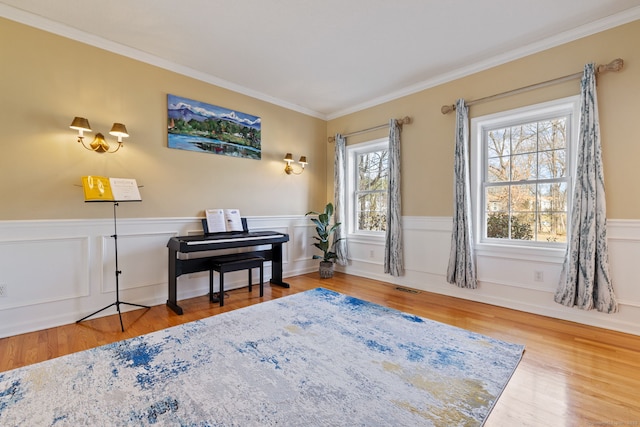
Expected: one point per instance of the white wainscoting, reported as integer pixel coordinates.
(507, 280)
(56, 272)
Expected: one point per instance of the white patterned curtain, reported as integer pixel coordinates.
(462, 270)
(585, 281)
(339, 194)
(393, 256)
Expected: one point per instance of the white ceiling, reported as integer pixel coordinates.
(325, 58)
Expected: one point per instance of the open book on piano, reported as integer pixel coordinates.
(221, 220)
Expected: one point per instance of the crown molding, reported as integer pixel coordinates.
(595, 27)
(59, 29)
(48, 25)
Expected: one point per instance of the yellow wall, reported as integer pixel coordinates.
(427, 144)
(46, 80)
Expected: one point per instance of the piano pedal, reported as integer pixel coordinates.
(215, 297)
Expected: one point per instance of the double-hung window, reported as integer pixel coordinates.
(368, 183)
(522, 174)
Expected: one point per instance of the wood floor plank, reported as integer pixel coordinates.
(570, 375)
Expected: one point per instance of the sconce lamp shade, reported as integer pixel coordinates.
(81, 124)
(303, 161)
(119, 130)
(288, 158)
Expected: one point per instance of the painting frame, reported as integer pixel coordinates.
(206, 128)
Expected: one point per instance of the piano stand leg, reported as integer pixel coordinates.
(213, 297)
(175, 307)
(279, 283)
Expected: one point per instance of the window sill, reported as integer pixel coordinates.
(524, 253)
(363, 237)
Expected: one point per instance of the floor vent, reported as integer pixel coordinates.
(411, 291)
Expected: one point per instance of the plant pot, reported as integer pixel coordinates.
(326, 269)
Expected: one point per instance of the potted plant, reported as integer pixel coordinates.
(325, 230)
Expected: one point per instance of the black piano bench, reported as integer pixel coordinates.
(235, 264)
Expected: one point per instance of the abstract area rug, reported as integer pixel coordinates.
(317, 358)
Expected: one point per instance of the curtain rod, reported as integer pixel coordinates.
(403, 121)
(615, 65)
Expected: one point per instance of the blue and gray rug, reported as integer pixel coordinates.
(317, 358)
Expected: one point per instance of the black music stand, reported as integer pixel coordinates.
(118, 272)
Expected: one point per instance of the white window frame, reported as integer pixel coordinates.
(351, 178)
(479, 125)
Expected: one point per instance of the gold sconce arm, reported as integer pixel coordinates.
(99, 144)
(288, 169)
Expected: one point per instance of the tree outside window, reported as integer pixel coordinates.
(526, 181)
(367, 187)
(372, 184)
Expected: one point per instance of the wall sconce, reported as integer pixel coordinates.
(289, 159)
(98, 144)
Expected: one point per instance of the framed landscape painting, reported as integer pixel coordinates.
(196, 126)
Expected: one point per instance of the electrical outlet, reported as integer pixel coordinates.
(538, 276)
(3, 290)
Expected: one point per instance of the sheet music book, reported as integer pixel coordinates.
(219, 220)
(102, 188)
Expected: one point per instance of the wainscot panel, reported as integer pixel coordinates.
(28, 264)
(508, 279)
(56, 272)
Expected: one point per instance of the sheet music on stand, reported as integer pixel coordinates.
(104, 189)
(220, 220)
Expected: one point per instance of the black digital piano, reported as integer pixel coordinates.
(217, 241)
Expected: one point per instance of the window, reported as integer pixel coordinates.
(522, 177)
(367, 186)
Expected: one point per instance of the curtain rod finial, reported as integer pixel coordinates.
(615, 65)
(446, 109)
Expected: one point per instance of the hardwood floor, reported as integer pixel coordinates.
(570, 375)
